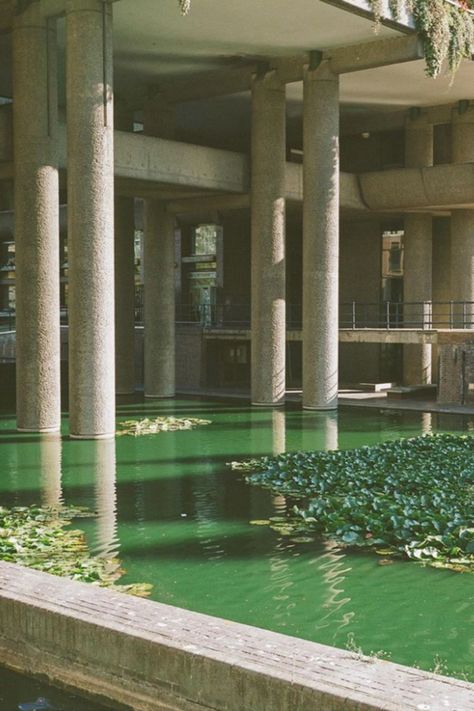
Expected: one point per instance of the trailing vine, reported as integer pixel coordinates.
(446, 28)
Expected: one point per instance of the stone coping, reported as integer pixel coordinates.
(148, 656)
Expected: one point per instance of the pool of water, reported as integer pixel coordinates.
(20, 693)
(178, 517)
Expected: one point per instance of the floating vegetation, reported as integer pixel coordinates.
(147, 426)
(39, 537)
(412, 498)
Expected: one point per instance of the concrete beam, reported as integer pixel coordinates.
(146, 158)
(379, 53)
(353, 58)
(439, 186)
(153, 656)
(364, 8)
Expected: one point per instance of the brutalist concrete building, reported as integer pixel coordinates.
(279, 185)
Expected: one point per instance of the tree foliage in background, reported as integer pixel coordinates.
(446, 29)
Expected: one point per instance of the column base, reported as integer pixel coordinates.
(92, 436)
(39, 430)
(280, 403)
(160, 397)
(321, 408)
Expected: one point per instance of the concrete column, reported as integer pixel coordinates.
(124, 295)
(418, 142)
(91, 218)
(320, 238)
(159, 300)
(462, 221)
(417, 288)
(36, 222)
(124, 274)
(441, 282)
(417, 281)
(268, 310)
(159, 272)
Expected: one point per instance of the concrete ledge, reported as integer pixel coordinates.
(153, 656)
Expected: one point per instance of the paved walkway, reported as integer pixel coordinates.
(351, 397)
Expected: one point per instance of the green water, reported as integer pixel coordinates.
(179, 518)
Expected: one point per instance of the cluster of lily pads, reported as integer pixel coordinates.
(137, 428)
(40, 537)
(412, 498)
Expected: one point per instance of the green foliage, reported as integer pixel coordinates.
(39, 537)
(446, 30)
(137, 428)
(412, 497)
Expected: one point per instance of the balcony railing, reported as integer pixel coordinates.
(422, 315)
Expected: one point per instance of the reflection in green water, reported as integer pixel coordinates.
(179, 518)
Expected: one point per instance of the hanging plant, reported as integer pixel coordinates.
(446, 28)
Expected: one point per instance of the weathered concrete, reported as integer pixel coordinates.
(462, 221)
(91, 219)
(320, 238)
(268, 240)
(155, 657)
(417, 291)
(159, 272)
(37, 223)
(159, 298)
(417, 278)
(124, 295)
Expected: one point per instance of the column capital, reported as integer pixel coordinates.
(86, 5)
(268, 78)
(323, 72)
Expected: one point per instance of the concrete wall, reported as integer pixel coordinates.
(155, 657)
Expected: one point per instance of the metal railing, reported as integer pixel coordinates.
(422, 315)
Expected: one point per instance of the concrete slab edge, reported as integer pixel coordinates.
(151, 656)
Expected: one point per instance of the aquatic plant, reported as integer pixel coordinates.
(411, 497)
(147, 426)
(39, 537)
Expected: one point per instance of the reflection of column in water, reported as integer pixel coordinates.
(50, 465)
(426, 423)
(279, 431)
(104, 462)
(334, 569)
(319, 430)
(206, 502)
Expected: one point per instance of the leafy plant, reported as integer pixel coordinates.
(147, 426)
(446, 29)
(39, 537)
(413, 497)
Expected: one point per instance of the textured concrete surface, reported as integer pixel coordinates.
(417, 289)
(159, 292)
(157, 657)
(320, 238)
(268, 295)
(91, 219)
(124, 295)
(418, 256)
(159, 272)
(37, 223)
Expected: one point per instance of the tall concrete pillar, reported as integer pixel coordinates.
(36, 222)
(159, 318)
(268, 310)
(159, 272)
(417, 280)
(91, 218)
(462, 222)
(124, 274)
(417, 290)
(124, 295)
(320, 238)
